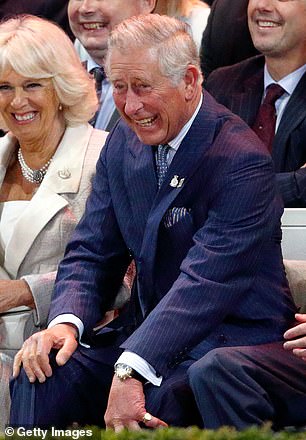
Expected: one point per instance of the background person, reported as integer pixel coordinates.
(193, 12)
(47, 161)
(278, 30)
(245, 386)
(226, 39)
(209, 263)
(91, 22)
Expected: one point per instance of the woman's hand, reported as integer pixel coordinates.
(14, 293)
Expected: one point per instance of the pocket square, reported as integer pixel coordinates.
(174, 215)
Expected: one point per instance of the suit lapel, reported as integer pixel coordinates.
(246, 103)
(63, 176)
(141, 184)
(294, 113)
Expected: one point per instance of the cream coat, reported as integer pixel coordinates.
(42, 232)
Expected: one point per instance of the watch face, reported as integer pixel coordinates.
(123, 371)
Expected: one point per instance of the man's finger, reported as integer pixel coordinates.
(153, 422)
(17, 364)
(66, 351)
(133, 426)
(118, 427)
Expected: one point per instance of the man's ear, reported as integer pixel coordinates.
(148, 6)
(191, 79)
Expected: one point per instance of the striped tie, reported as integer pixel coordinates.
(161, 163)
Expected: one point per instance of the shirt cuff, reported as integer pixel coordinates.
(70, 319)
(141, 366)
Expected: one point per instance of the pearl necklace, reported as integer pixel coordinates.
(33, 176)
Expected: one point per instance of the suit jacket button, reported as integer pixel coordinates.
(222, 339)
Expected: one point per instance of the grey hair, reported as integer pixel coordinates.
(168, 38)
(37, 48)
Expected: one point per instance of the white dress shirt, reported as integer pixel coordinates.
(288, 83)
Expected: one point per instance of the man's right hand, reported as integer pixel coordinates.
(34, 354)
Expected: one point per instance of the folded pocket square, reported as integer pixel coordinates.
(174, 215)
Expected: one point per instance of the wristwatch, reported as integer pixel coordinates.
(123, 372)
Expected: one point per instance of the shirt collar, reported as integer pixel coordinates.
(176, 142)
(289, 82)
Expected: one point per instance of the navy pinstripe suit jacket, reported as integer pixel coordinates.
(240, 88)
(213, 278)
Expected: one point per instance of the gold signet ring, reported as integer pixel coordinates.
(147, 417)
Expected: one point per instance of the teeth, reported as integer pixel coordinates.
(90, 26)
(267, 24)
(145, 122)
(26, 117)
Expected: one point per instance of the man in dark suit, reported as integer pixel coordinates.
(91, 23)
(246, 386)
(278, 31)
(226, 39)
(185, 188)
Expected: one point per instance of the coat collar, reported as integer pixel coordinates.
(295, 112)
(63, 176)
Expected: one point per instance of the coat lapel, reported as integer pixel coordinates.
(246, 103)
(141, 184)
(63, 176)
(294, 113)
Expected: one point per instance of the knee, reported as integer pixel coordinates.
(208, 370)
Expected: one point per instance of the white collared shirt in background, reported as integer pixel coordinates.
(288, 83)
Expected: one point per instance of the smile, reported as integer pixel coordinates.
(92, 26)
(147, 122)
(25, 117)
(267, 24)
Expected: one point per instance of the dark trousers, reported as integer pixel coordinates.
(243, 386)
(78, 392)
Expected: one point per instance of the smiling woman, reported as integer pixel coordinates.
(47, 160)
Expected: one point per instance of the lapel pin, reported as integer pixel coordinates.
(181, 182)
(176, 182)
(64, 174)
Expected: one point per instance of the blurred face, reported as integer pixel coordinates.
(150, 104)
(29, 106)
(91, 21)
(278, 28)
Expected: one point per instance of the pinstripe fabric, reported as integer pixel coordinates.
(242, 95)
(212, 279)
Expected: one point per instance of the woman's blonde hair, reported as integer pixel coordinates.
(37, 48)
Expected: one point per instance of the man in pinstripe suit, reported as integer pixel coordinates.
(185, 189)
(278, 30)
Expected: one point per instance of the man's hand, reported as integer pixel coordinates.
(126, 406)
(297, 335)
(34, 354)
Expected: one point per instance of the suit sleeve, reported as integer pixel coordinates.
(292, 186)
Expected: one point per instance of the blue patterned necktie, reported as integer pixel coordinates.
(161, 163)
